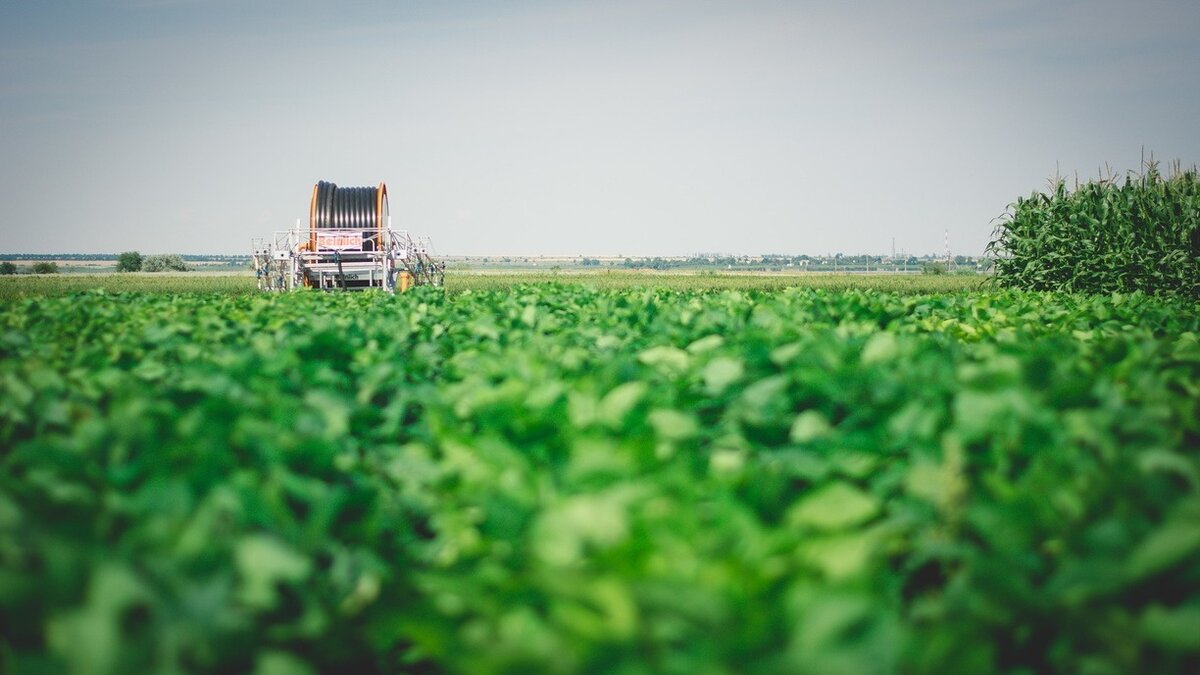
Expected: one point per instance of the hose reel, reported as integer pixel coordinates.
(361, 208)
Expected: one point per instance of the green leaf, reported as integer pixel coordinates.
(721, 372)
(529, 315)
(90, 638)
(666, 358)
(617, 404)
(1175, 629)
(726, 462)
(880, 348)
(706, 344)
(785, 354)
(810, 425)
(262, 562)
(1168, 544)
(672, 425)
(839, 556)
(563, 531)
(765, 402)
(838, 505)
(280, 663)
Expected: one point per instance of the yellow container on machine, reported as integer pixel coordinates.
(404, 281)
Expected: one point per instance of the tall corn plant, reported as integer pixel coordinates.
(1105, 236)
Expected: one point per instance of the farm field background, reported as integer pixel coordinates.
(456, 282)
(616, 473)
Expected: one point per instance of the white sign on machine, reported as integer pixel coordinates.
(339, 241)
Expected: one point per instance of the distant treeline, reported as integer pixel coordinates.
(776, 261)
(194, 257)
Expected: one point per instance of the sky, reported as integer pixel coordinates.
(649, 127)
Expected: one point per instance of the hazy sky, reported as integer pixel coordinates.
(636, 128)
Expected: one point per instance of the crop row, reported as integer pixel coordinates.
(1140, 234)
(12, 288)
(564, 478)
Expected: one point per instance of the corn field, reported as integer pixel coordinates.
(1107, 235)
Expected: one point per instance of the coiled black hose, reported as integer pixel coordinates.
(354, 207)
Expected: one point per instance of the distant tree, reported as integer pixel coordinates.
(164, 263)
(129, 261)
(45, 267)
(7, 268)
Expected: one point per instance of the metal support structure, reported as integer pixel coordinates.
(287, 263)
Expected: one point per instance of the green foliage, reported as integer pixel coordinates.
(7, 268)
(26, 286)
(563, 478)
(1105, 236)
(708, 280)
(129, 261)
(45, 267)
(164, 263)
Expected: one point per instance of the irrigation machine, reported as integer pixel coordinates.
(349, 245)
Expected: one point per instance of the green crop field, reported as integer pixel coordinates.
(24, 286)
(12, 287)
(664, 475)
(685, 281)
